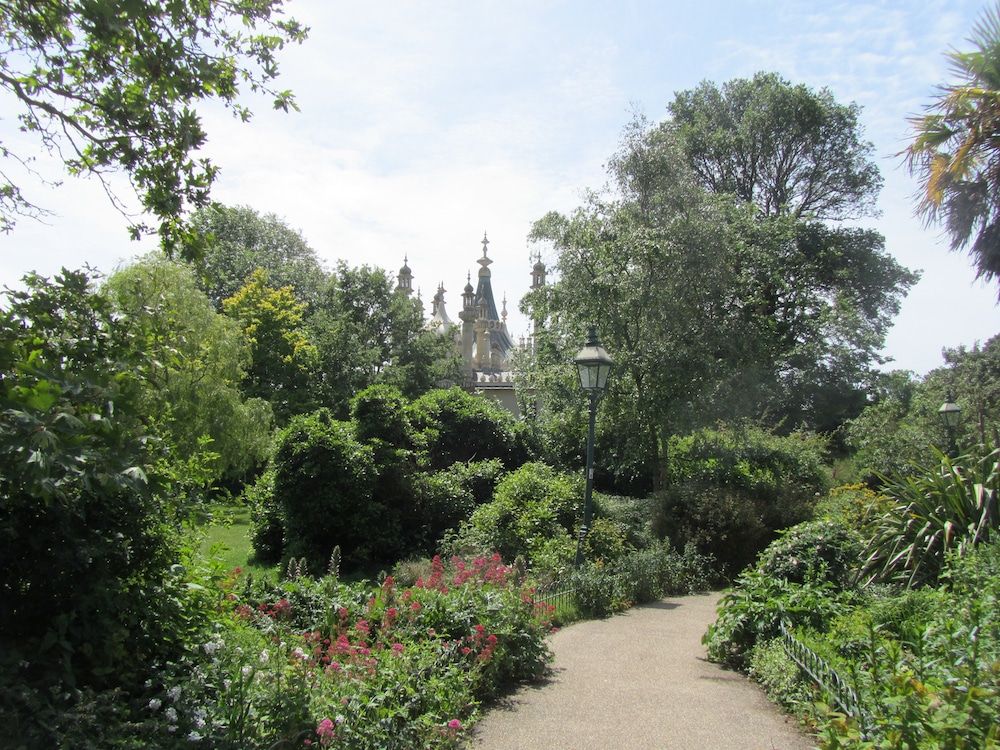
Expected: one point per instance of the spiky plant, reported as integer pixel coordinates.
(950, 507)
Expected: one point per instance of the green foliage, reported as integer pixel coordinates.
(197, 359)
(379, 413)
(947, 508)
(902, 429)
(855, 506)
(237, 241)
(320, 663)
(452, 425)
(637, 578)
(787, 327)
(825, 549)
(281, 354)
(752, 611)
(784, 148)
(323, 484)
(85, 543)
(267, 532)
(730, 489)
(532, 515)
(780, 677)
(108, 86)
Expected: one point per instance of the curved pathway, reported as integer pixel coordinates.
(639, 680)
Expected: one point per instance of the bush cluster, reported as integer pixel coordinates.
(731, 489)
(384, 485)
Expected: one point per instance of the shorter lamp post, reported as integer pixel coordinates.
(950, 414)
(594, 366)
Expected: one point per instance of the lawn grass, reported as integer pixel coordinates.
(227, 539)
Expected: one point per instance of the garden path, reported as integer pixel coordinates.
(639, 680)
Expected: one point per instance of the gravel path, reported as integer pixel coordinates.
(639, 680)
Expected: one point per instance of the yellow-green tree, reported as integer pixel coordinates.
(281, 354)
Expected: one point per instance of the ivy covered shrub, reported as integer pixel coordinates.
(452, 425)
(323, 489)
(731, 489)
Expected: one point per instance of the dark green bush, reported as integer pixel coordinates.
(323, 486)
(730, 489)
(267, 529)
(380, 413)
(86, 542)
(479, 477)
(452, 425)
(752, 611)
(826, 549)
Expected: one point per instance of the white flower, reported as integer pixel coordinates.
(247, 670)
(199, 717)
(299, 653)
(154, 704)
(171, 714)
(264, 656)
(174, 693)
(194, 736)
(212, 646)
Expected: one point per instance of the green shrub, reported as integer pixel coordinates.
(634, 516)
(452, 425)
(478, 477)
(532, 515)
(781, 678)
(947, 508)
(323, 485)
(753, 610)
(380, 413)
(86, 542)
(826, 549)
(730, 489)
(267, 529)
(856, 506)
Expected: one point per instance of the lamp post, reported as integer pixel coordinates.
(594, 366)
(950, 414)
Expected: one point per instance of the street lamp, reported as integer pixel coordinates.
(950, 414)
(594, 365)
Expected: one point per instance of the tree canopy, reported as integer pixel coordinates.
(713, 308)
(785, 148)
(111, 86)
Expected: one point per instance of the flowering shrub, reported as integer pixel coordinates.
(320, 663)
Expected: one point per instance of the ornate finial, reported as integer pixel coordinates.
(485, 243)
(503, 310)
(418, 295)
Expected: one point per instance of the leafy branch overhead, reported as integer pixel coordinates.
(109, 86)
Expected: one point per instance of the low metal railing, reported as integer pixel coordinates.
(826, 677)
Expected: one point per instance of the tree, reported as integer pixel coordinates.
(238, 241)
(712, 310)
(955, 151)
(191, 389)
(784, 148)
(110, 85)
(282, 357)
(368, 333)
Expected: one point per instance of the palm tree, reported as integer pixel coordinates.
(956, 150)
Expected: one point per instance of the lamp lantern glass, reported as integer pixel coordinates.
(594, 364)
(950, 413)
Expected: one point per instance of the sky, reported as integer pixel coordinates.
(423, 125)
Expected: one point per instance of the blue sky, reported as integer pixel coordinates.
(423, 124)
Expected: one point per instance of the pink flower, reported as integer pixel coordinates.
(454, 724)
(325, 730)
(397, 647)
